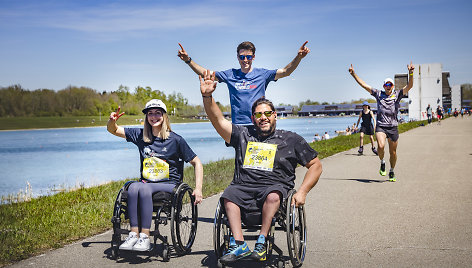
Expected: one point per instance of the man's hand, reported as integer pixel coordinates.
(351, 70)
(114, 116)
(303, 51)
(207, 83)
(410, 67)
(182, 54)
(298, 199)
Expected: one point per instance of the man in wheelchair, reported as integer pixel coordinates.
(265, 162)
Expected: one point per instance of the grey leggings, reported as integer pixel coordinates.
(140, 197)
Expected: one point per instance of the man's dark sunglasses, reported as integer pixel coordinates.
(248, 57)
(266, 113)
(388, 84)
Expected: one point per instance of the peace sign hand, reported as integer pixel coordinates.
(114, 116)
(182, 54)
(303, 51)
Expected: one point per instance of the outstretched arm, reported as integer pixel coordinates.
(302, 52)
(198, 168)
(183, 55)
(113, 127)
(221, 125)
(359, 80)
(311, 178)
(407, 88)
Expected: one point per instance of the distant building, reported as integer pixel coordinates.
(456, 97)
(284, 110)
(341, 109)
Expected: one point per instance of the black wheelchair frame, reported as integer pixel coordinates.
(289, 219)
(178, 207)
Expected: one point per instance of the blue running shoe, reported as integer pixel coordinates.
(235, 252)
(260, 250)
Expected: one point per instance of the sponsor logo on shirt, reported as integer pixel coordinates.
(244, 85)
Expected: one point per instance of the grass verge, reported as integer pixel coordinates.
(30, 228)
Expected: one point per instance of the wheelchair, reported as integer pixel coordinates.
(177, 207)
(288, 218)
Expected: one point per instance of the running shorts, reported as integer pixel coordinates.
(251, 197)
(391, 132)
(368, 130)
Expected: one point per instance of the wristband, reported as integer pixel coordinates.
(411, 73)
(207, 96)
(189, 60)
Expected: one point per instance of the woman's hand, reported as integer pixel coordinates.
(114, 116)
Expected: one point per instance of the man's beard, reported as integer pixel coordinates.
(267, 132)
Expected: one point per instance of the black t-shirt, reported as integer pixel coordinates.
(173, 150)
(262, 167)
(366, 119)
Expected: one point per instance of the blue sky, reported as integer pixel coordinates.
(104, 44)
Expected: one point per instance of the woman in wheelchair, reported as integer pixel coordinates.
(162, 153)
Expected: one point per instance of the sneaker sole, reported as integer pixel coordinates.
(244, 255)
(383, 173)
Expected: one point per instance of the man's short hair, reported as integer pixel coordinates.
(246, 45)
(260, 101)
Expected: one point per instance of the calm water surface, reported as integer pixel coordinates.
(57, 158)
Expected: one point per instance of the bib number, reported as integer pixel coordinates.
(155, 169)
(260, 156)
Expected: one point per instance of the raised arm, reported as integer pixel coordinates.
(360, 81)
(311, 178)
(407, 88)
(198, 169)
(113, 127)
(222, 126)
(302, 52)
(183, 55)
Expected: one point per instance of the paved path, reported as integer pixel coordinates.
(355, 217)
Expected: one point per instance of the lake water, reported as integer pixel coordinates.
(57, 158)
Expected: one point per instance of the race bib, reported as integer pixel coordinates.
(155, 169)
(260, 156)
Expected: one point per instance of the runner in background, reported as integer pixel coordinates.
(366, 127)
(388, 104)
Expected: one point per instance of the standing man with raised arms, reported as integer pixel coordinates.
(246, 84)
(388, 103)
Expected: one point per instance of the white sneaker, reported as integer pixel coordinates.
(130, 241)
(143, 244)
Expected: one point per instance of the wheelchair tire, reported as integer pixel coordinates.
(296, 232)
(184, 218)
(220, 231)
(120, 223)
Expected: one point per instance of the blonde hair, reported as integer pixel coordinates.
(163, 134)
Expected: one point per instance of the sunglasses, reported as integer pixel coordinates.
(248, 57)
(388, 84)
(266, 113)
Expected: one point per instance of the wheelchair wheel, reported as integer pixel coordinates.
(184, 217)
(120, 222)
(296, 232)
(220, 232)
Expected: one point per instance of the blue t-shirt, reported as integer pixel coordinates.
(173, 150)
(244, 90)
